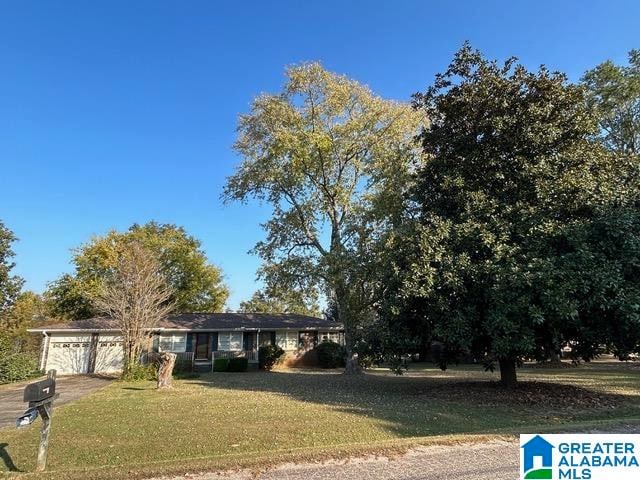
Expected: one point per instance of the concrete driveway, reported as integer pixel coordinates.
(70, 388)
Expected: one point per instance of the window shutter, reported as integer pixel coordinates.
(247, 341)
(189, 347)
(214, 341)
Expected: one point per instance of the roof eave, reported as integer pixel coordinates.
(177, 329)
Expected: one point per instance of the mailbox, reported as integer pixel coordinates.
(40, 391)
(40, 396)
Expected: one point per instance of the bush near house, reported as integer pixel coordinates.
(140, 371)
(330, 355)
(14, 364)
(269, 356)
(16, 367)
(238, 364)
(220, 364)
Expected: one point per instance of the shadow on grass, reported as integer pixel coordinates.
(6, 458)
(411, 406)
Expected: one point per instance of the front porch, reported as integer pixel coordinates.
(188, 360)
(198, 350)
(202, 349)
(210, 345)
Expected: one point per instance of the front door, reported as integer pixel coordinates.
(202, 346)
(249, 341)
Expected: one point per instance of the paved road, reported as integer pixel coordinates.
(493, 460)
(484, 461)
(70, 388)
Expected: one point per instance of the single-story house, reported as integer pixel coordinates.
(95, 345)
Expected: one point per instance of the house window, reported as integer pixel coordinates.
(173, 343)
(287, 340)
(229, 341)
(330, 337)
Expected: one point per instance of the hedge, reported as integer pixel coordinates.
(330, 355)
(220, 364)
(238, 364)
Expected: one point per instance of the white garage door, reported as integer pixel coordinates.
(69, 354)
(109, 354)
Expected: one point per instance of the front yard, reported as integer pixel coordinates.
(254, 419)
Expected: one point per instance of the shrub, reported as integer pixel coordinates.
(268, 356)
(330, 355)
(138, 371)
(398, 364)
(16, 367)
(238, 364)
(221, 365)
(7, 345)
(367, 361)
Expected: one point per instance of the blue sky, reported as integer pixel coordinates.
(119, 112)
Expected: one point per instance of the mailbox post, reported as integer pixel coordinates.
(40, 396)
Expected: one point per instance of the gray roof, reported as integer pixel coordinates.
(210, 322)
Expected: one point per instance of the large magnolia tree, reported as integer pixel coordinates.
(524, 221)
(329, 157)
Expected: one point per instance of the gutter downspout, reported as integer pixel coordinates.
(44, 350)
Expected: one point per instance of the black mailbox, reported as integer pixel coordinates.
(40, 391)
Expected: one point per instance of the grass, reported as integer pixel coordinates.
(255, 418)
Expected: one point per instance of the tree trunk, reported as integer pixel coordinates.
(165, 369)
(554, 357)
(508, 375)
(132, 354)
(352, 367)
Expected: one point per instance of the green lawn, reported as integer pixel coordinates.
(222, 420)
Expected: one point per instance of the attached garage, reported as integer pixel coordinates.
(84, 353)
(69, 354)
(109, 354)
